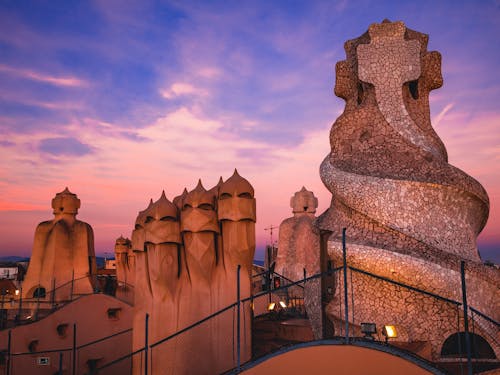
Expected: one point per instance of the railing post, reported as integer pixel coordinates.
(146, 339)
(72, 285)
(20, 304)
(466, 318)
(346, 296)
(238, 329)
(3, 302)
(74, 349)
(38, 302)
(9, 343)
(53, 297)
(269, 280)
(303, 294)
(60, 371)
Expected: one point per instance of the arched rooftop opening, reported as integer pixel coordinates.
(454, 347)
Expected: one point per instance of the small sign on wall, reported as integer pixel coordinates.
(43, 361)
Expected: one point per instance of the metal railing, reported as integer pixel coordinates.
(24, 310)
(453, 319)
(349, 307)
(67, 358)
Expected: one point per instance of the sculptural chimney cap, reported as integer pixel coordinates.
(387, 29)
(122, 240)
(219, 184)
(236, 186)
(304, 201)
(178, 200)
(65, 202)
(142, 215)
(162, 208)
(215, 189)
(199, 196)
(122, 244)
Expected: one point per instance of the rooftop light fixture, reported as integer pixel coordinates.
(368, 329)
(17, 292)
(389, 332)
(283, 304)
(271, 306)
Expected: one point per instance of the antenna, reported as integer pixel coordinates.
(270, 229)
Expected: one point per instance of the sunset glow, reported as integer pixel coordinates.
(119, 101)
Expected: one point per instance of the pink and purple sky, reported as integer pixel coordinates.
(119, 100)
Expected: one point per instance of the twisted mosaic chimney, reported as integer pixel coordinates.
(388, 170)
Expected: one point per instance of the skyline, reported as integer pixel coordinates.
(119, 101)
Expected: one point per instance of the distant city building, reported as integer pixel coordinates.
(110, 264)
(9, 272)
(8, 290)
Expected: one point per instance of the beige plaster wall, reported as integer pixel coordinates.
(338, 360)
(90, 314)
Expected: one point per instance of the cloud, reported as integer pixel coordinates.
(15, 206)
(208, 72)
(182, 89)
(6, 143)
(64, 146)
(45, 78)
(441, 114)
(53, 105)
(185, 90)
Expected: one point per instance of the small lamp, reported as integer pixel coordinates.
(283, 304)
(389, 332)
(271, 306)
(368, 329)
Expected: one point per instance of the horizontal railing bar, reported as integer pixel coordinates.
(194, 325)
(119, 359)
(259, 274)
(287, 279)
(104, 338)
(491, 320)
(42, 352)
(318, 275)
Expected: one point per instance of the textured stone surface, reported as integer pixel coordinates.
(125, 268)
(298, 246)
(298, 252)
(410, 216)
(418, 317)
(63, 249)
(187, 255)
(388, 170)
